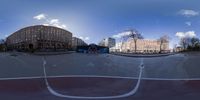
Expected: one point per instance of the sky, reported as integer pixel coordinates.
(93, 20)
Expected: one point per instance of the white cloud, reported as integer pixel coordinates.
(3, 36)
(54, 21)
(84, 38)
(49, 21)
(87, 38)
(189, 34)
(40, 17)
(81, 37)
(120, 35)
(63, 25)
(188, 13)
(45, 24)
(188, 23)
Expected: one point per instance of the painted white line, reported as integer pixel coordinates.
(100, 76)
(53, 92)
(20, 78)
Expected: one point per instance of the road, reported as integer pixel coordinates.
(99, 75)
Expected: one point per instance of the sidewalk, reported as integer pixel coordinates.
(142, 55)
(53, 53)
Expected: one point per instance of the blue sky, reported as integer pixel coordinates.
(93, 20)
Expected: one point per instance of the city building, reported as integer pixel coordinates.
(107, 42)
(40, 37)
(179, 49)
(133, 42)
(77, 42)
(142, 46)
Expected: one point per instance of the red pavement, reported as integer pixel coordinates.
(35, 89)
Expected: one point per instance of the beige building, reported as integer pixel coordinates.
(77, 42)
(179, 49)
(40, 37)
(142, 46)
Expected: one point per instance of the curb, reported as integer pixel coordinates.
(51, 53)
(146, 56)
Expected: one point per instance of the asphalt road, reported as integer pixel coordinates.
(179, 66)
(99, 75)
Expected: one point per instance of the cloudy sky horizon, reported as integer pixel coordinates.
(93, 20)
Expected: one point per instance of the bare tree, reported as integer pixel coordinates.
(123, 41)
(2, 41)
(194, 41)
(135, 35)
(2, 45)
(162, 40)
(184, 42)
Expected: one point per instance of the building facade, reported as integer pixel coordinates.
(77, 42)
(179, 49)
(108, 42)
(142, 46)
(41, 38)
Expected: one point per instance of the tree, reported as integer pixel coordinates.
(190, 43)
(189, 47)
(130, 34)
(197, 46)
(2, 45)
(162, 40)
(194, 41)
(2, 41)
(135, 35)
(185, 42)
(124, 38)
(193, 44)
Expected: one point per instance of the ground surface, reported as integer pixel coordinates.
(173, 77)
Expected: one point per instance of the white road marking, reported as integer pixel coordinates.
(101, 76)
(53, 92)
